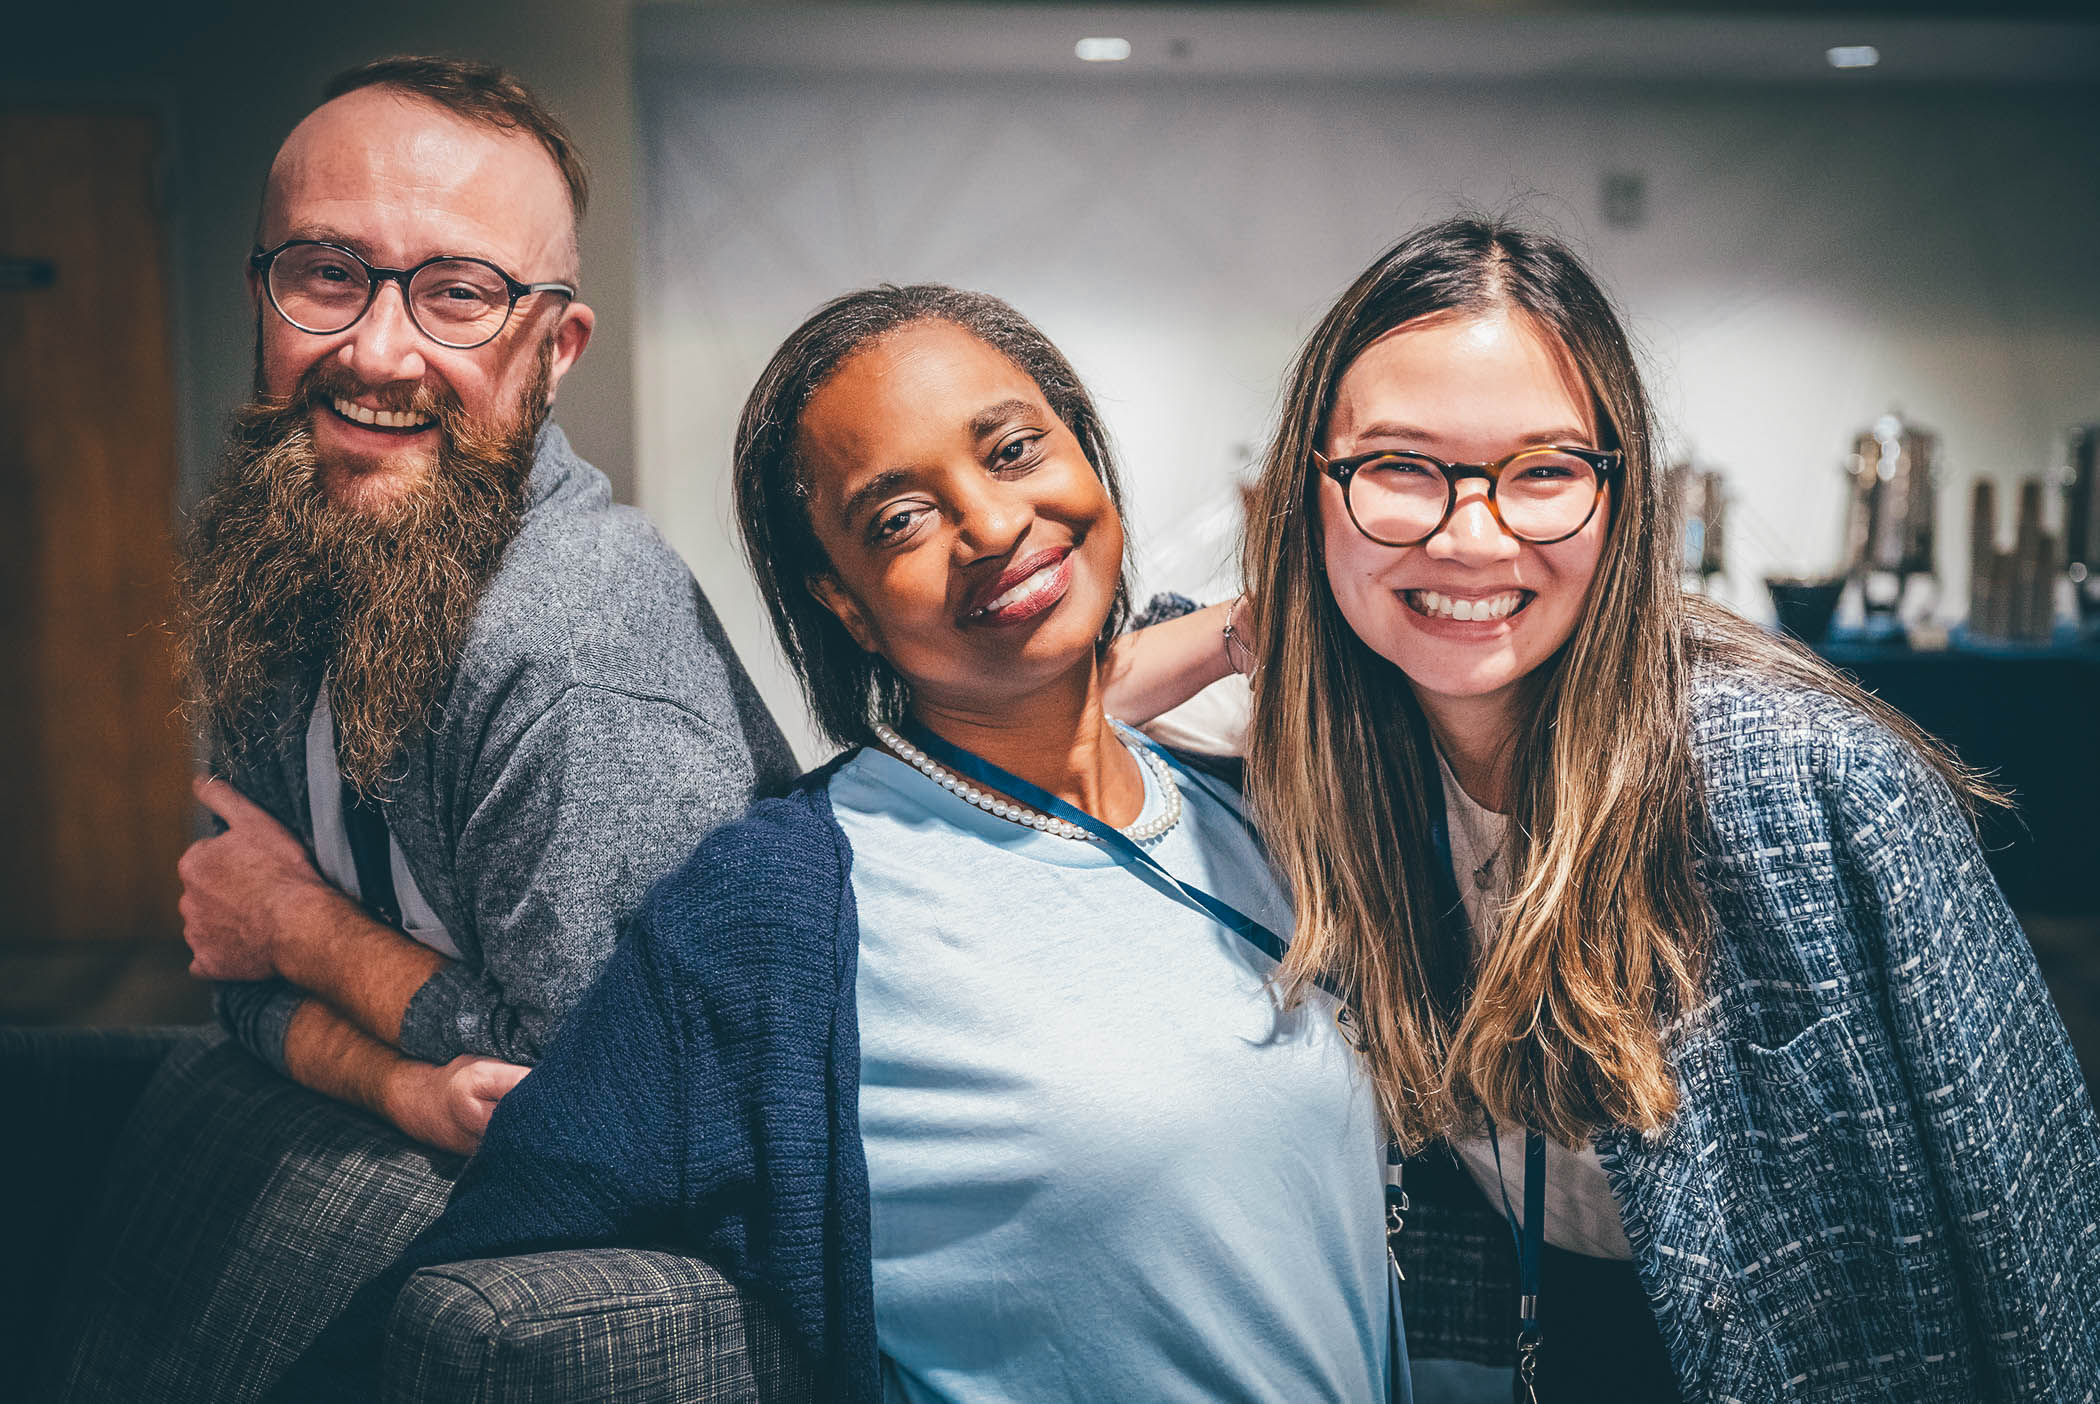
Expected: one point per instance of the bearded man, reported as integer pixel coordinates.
(464, 710)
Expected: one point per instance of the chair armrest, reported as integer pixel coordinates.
(605, 1324)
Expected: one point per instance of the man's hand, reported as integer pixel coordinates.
(448, 1107)
(239, 888)
(253, 908)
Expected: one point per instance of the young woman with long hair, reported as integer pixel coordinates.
(1598, 861)
(963, 1056)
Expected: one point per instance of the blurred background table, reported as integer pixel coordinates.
(2029, 715)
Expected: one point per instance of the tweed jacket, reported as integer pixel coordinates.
(1883, 1182)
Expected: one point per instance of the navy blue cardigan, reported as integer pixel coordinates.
(685, 1103)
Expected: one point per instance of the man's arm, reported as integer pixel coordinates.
(589, 1152)
(691, 1101)
(256, 1013)
(332, 947)
(603, 793)
(254, 909)
(444, 1106)
(257, 915)
(447, 1107)
(571, 822)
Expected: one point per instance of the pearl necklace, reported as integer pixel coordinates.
(1170, 811)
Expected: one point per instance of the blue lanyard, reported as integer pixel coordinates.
(1113, 839)
(1126, 850)
(1529, 1232)
(1530, 1236)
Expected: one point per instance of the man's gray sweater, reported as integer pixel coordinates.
(597, 725)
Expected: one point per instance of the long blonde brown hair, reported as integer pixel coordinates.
(1607, 935)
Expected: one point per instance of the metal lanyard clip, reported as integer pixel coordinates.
(1396, 1208)
(1527, 1390)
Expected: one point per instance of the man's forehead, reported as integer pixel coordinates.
(411, 179)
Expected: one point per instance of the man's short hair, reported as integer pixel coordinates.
(478, 92)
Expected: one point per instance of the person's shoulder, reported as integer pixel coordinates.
(582, 561)
(768, 891)
(1768, 740)
(589, 593)
(1738, 712)
(785, 853)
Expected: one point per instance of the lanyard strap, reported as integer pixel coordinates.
(1533, 1235)
(1113, 839)
(371, 853)
(1530, 1231)
(1530, 1236)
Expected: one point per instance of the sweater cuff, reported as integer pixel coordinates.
(441, 1017)
(257, 1015)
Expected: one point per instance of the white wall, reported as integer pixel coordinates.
(1810, 259)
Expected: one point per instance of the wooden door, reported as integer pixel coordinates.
(96, 802)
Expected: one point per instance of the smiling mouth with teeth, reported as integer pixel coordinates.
(1486, 609)
(389, 421)
(1042, 582)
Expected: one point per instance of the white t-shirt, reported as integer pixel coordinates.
(332, 853)
(1581, 1215)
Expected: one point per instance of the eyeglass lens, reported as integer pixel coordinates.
(456, 301)
(1541, 496)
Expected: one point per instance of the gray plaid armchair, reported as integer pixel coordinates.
(183, 1221)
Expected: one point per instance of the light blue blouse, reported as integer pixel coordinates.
(1102, 1164)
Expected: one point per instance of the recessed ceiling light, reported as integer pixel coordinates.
(1104, 50)
(1853, 56)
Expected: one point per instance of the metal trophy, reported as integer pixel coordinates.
(2012, 594)
(2081, 496)
(1888, 522)
(1701, 498)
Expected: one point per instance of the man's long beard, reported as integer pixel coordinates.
(279, 584)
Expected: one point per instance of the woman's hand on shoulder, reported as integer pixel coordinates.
(1154, 670)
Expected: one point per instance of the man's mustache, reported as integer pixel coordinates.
(325, 383)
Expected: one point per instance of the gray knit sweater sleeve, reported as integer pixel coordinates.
(598, 726)
(257, 1014)
(602, 792)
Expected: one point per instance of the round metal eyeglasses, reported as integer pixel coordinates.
(455, 300)
(1539, 495)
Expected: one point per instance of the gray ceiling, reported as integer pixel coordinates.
(1755, 41)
